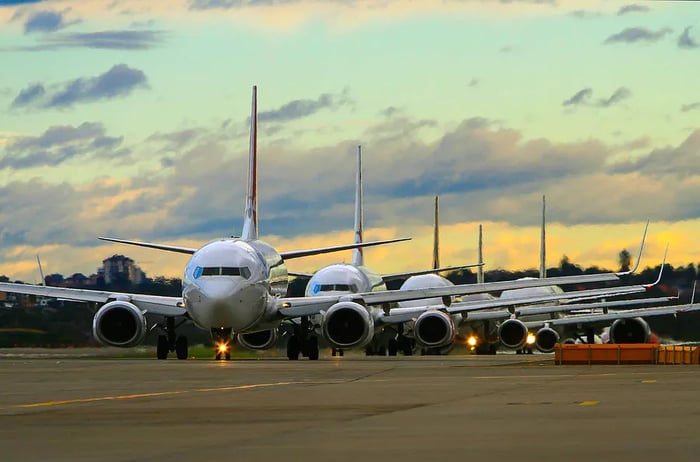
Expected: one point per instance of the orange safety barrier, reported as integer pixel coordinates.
(617, 353)
(676, 354)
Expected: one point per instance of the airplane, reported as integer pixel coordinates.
(237, 286)
(354, 277)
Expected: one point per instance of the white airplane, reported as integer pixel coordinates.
(238, 286)
(355, 277)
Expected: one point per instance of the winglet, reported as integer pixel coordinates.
(661, 271)
(357, 254)
(41, 270)
(692, 297)
(250, 216)
(436, 238)
(639, 257)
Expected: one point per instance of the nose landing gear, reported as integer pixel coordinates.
(222, 343)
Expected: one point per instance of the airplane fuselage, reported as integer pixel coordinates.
(229, 284)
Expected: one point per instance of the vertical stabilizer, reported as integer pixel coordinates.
(436, 237)
(543, 267)
(250, 216)
(357, 255)
(480, 271)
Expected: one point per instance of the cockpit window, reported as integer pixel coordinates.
(221, 271)
(335, 288)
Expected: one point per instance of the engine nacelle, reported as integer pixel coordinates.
(119, 323)
(347, 325)
(261, 340)
(434, 329)
(633, 330)
(545, 339)
(512, 333)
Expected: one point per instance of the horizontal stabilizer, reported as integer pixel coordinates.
(151, 245)
(305, 253)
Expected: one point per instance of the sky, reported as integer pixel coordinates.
(130, 119)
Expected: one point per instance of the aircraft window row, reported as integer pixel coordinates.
(221, 271)
(337, 288)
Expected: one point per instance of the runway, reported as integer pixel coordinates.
(348, 409)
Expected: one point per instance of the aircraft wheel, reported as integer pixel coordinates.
(181, 347)
(313, 348)
(293, 348)
(162, 347)
(393, 347)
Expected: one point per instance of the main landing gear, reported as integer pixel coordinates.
(171, 342)
(222, 343)
(302, 341)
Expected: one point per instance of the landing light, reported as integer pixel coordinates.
(223, 348)
(471, 341)
(530, 338)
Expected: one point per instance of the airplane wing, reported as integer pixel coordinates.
(392, 276)
(154, 304)
(485, 309)
(151, 245)
(291, 307)
(612, 316)
(499, 315)
(297, 274)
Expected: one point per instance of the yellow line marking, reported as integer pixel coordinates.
(589, 403)
(648, 381)
(146, 395)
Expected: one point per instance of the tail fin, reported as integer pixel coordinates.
(357, 255)
(436, 238)
(480, 271)
(250, 216)
(543, 267)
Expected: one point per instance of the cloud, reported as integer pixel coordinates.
(29, 95)
(632, 8)
(301, 108)
(46, 21)
(580, 97)
(686, 41)
(583, 98)
(118, 81)
(690, 106)
(678, 162)
(59, 144)
(110, 39)
(17, 2)
(473, 83)
(637, 34)
(228, 4)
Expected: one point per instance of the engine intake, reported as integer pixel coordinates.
(347, 325)
(434, 329)
(512, 333)
(261, 340)
(119, 323)
(633, 330)
(545, 339)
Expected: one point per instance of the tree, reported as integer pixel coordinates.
(625, 260)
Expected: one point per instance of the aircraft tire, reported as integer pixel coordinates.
(181, 347)
(162, 347)
(293, 348)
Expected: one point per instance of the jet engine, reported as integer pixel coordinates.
(261, 340)
(633, 330)
(512, 333)
(545, 339)
(434, 329)
(347, 325)
(119, 323)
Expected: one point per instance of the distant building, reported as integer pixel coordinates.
(120, 268)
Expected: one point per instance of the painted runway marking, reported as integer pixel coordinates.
(648, 381)
(588, 403)
(146, 395)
